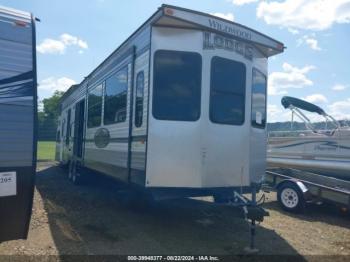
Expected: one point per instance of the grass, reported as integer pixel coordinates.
(46, 150)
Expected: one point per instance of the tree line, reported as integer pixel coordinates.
(48, 117)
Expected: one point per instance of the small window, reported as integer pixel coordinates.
(258, 99)
(140, 84)
(95, 107)
(177, 86)
(68, 126)
(116, 98)
(227, 91)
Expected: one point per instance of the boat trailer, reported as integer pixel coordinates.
(295, 188)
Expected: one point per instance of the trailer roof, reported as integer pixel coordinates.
(174, 16)
(14, 14)
(181, 17)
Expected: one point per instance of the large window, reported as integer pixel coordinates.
(258, 99)
(95, 107)
(116, 97)
(177, 85)
(227, 91)
(140, 84)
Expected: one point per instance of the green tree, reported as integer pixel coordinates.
(51, 105)
(47, 119)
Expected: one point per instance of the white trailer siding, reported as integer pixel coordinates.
(113, 158)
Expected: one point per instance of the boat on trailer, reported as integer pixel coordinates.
(325, 152)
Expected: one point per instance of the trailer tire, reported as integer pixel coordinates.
(291, 198)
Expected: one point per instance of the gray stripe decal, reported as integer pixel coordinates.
(24, 76)
(10, 89)
(122, 139)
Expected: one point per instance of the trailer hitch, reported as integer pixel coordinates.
(252, 213)
(256, 213)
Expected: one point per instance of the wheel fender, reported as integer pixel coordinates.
(303, 188)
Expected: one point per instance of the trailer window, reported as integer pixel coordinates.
(177, 85)
(116, 98)
(227, 91)
(95, 107)
(140, 83)
(258, 99)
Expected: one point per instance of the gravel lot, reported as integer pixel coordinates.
(91, 219)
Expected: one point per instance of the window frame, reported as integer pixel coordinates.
(68, 127)
(125, 67)
(101, 104)
(200, 84)
(255, 125)
(211, 91)
(140, 73)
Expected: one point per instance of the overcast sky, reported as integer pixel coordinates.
(75, 36)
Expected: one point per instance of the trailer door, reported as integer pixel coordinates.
(226, 133)
(18, 111)
(79, 129)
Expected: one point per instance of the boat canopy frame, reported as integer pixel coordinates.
(296, 105)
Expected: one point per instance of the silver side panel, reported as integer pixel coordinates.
(202, 154)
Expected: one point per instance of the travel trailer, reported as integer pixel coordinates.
(325, 152)
(18, 115)
(179, 109)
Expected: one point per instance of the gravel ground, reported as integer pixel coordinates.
(91, 219)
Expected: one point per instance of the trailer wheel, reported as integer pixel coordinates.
(291, 198)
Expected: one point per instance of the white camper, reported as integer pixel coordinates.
(18, 111)
(178, 109)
